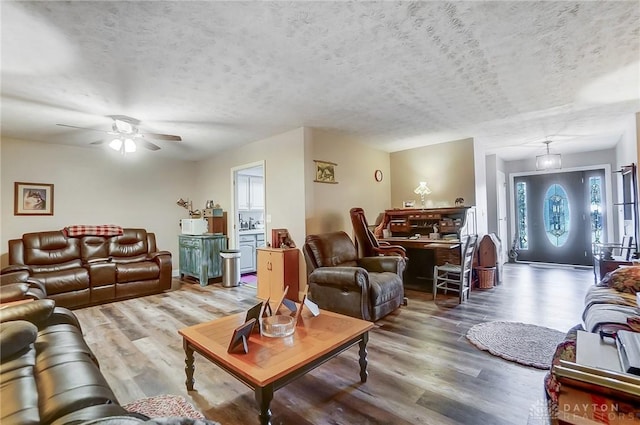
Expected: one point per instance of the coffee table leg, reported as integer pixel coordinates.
(363, 357)
(263, 397)
(189, 367)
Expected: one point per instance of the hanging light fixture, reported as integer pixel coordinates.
(548, 161)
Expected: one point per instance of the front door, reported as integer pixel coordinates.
(555, 216)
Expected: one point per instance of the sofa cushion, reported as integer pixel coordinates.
(131, 246)
(384, 287)
(19, 391)
(623, 279)
(67, 280)
(132, 272)
(332, 250)
(61, 339)
(15, 337)
(44, 249)
(36, 312)
(69, 382)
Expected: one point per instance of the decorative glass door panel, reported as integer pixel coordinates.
(556, 215)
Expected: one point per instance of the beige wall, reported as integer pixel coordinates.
(448, 169)
(95, 186)
(329, 204)
(284, 180)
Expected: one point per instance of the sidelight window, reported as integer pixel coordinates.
(595, 207)
(523, 237)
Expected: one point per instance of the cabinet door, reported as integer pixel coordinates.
(190, 256)
(247, 258)
(212, 253)
(243, 192)
(247, 247)
(276, 283)
(256, 193)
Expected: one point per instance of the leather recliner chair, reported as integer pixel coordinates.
(368, 288)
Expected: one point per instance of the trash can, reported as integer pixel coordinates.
(230, 267)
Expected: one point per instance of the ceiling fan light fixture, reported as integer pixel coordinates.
(548, 161)
(123, 126)
(129, 145)
(115, 144)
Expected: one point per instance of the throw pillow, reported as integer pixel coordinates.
(623, 279)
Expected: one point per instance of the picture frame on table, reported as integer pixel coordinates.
(32, 198)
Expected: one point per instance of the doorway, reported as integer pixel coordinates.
(249, 213)
(559, 216)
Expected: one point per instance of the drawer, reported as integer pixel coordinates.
(260, 237)
(190, 243)
(247, 238)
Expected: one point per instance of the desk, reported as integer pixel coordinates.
(424, 253)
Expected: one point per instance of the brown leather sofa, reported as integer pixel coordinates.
(48, 374)
(368, 288)
(82, 271)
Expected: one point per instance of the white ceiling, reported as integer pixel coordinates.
(398, 74)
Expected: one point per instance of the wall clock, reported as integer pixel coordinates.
(378, 175)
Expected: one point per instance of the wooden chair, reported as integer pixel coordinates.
(366, 243)
(456, 277)
(625, 249)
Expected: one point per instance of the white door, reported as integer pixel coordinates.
(502, 214)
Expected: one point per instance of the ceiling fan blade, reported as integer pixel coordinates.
(85, 128)
(150, 145)
(130, 120)
(157, 136)
(97, 142)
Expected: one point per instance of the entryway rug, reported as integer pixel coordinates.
(164, 406)
(523, 343)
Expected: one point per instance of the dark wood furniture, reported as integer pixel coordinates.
(602, 266)
(271, 363)
(217, 223)
(366, 243)
(424, 253)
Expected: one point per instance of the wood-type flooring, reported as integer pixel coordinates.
(422, 369)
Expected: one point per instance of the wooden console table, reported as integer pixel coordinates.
(602, 266)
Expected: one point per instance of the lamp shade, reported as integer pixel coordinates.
(422, 189)
(548, 161)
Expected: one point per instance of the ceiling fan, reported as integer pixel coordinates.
(127, 135)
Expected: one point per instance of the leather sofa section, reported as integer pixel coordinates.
(53, 376)
(19, 390)
(89, 270)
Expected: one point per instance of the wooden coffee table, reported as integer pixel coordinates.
(274, 362)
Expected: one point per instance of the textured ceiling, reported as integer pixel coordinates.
(397, 74)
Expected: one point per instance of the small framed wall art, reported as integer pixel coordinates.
(33, 199)
(325, 172)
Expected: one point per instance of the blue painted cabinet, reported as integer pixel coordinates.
(200, 256)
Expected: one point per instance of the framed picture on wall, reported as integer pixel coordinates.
(325, 172)
(33, 199)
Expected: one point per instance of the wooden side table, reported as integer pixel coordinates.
(277, 268)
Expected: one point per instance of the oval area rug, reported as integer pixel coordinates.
(523, 343)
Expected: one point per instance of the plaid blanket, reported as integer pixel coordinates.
(91, 230)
